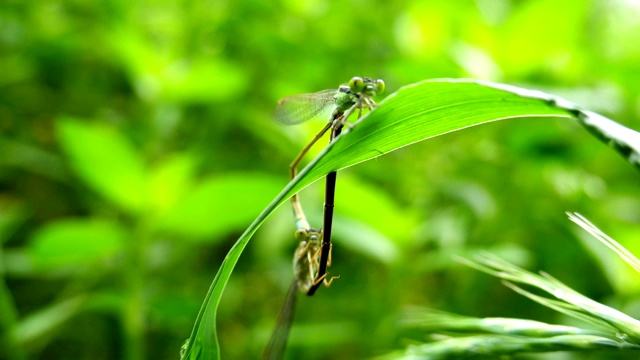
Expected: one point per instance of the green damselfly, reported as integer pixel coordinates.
(313, 255)
(357, 94)
(296, 109)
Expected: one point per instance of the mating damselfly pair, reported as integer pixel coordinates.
(313, 255)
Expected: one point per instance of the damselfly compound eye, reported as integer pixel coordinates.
(379, 86)
(356, 84)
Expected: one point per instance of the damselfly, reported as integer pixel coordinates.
(296, 109)
(313, 255)
(356, 95)
(306, 262)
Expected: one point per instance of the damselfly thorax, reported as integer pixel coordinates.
(306, 260)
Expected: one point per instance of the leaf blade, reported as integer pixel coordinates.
(446, 105)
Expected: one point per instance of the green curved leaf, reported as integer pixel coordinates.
(424, 110)
(413, 113)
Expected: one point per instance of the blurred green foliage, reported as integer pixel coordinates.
(136, 144)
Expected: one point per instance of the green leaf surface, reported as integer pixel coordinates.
(160, 75)
(69, 243)
(424, 110)
(221, 204)
(105, 161)
(170, 180)
(413, 113)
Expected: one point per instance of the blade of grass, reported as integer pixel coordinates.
(412, 114)
(435, 320)
(565, 308)
(613, 329)
(568, 300)
(620, 250)
(494, 346)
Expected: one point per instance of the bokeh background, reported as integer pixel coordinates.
(136, 144)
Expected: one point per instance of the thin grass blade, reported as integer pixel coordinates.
(620, 250)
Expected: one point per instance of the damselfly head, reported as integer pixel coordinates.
(379, 86)
(366, 86)
(308, 235)
(373, 87)
(356, 84)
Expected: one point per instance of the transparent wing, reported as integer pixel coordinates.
(278, 342)
(297, 109)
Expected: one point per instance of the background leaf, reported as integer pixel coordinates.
(70, 243)
(232, 201)
(106, 162)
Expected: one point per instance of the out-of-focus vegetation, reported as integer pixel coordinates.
(136, 143)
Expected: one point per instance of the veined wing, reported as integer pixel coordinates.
(278, 342)
(299, 108)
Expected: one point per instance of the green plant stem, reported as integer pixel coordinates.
(133, 312)
(9, 345)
